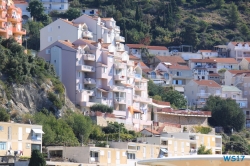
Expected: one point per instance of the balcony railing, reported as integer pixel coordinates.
(183, 76)
(117, 28)
(203, 95)
(120, 77)
(120, 65)
(140, 87)
(130, 74)
(193, 151)
(89, 81)
(218, 145)
(119, 39)
(185, 112)
(87, 34)
(142, 99)
(130, 63)
(36, 138)
(155, 77)
(117, 88)
(89, 57)
(120, 100)
(205, 66)
(86, 68)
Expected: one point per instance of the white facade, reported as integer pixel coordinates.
(189, 55)
(208, 53)
(58, 5)
(239, 50)
(23, 6)
(90, 12)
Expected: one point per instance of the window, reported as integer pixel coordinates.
(62, 6)
(50, 39)
(138, 147)
(79, 74)
(153, 75)
(27, 146)
(152, 152)
(47, 51)
(118, 155)
(2, 145)
(144, 151)
(49, 29)
(234, 96)
(109, 154)
(9, 133)
(104, 69)
(1, 128)
(166, 76)
(58, 27)
(54, 61)
(245, 93)
(178, 73)
(130, 156)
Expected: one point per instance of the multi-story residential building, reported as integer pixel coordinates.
(239, 50)
(226, 63)
(170, 120)
(23, 5)
(56, 31)
(19, 139)
(208, 53)
(11, 21)
(198, 91)
(58, 5)
(136, 50)
(179, 144)
(245, 64)
(168, 59)
(91, 12)
(171, 74)
(235, 94)
(241, 80)
(207, 69)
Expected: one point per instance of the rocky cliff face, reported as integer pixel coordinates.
(29, 98)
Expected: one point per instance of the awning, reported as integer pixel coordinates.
(102, 90)
(179, 89)
(38, 131)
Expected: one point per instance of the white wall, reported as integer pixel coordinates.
(159, 52)
(189, 55)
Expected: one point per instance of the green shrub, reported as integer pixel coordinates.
(102, 108)
(202, 129)
(55, 100)
(59, 88)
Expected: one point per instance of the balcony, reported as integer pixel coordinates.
(205, 66)
(120, 65)
(85, 68)
(89, 81)
(119, 113)
(3, 19)
(13, 19)
(201, 73)
(119, 39)
(103, 100)
(185, 113)
(247, 116)
(93, 160)
(138, 76)
(87, 92)
(120, 100)
(130, 63)
(36, 138)
(140, 87)
(87, 34)
(193, 151)
(130, 74)
(15, 30)
(118, 88)
(142, 99)
(89, 57)
(117, 28)
(87, 104)
(218, 145)
(2, 29)
(152, 77)
(203, 95)
(120, 47)
(183, 76)
(120, 78)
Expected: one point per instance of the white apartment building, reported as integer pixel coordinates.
(98, 71)
(58, 5)
(239, 50)
(91, 12)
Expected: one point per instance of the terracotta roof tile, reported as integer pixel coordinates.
(225, 60)
(203, 60)
(206, 51)
(67, 43)
(161, 102)
(135, 45)
(243, 43)
(132, 57)
(147, 70)
(151, 131)
(69, 22)
(238, 71)
(171, 59)
(209, 83)
(248, 59)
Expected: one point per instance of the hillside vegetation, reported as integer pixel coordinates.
(200, 23)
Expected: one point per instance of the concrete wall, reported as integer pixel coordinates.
(244, 64)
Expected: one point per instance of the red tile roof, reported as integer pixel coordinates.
(238, 71)
(151, 131)
(139, 46)
(243, 43)
(248, 59)
(209, 83)
(225, 60)
(132, 57)
(177, 66)
(161, 102)
(170, 59)
(203, 60)
(67, 43)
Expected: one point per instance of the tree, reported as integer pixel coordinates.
(190, 36)
(138, 13)
(37, 159)
(219, 3)
(175, 98)
(102, 108)
(224, 113)
(72, 13)
(36, 9)
(233, 16)
(4, 116)
(202, 150)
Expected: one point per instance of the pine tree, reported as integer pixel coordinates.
(138, 13)
(37, 159)
(233, 17)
